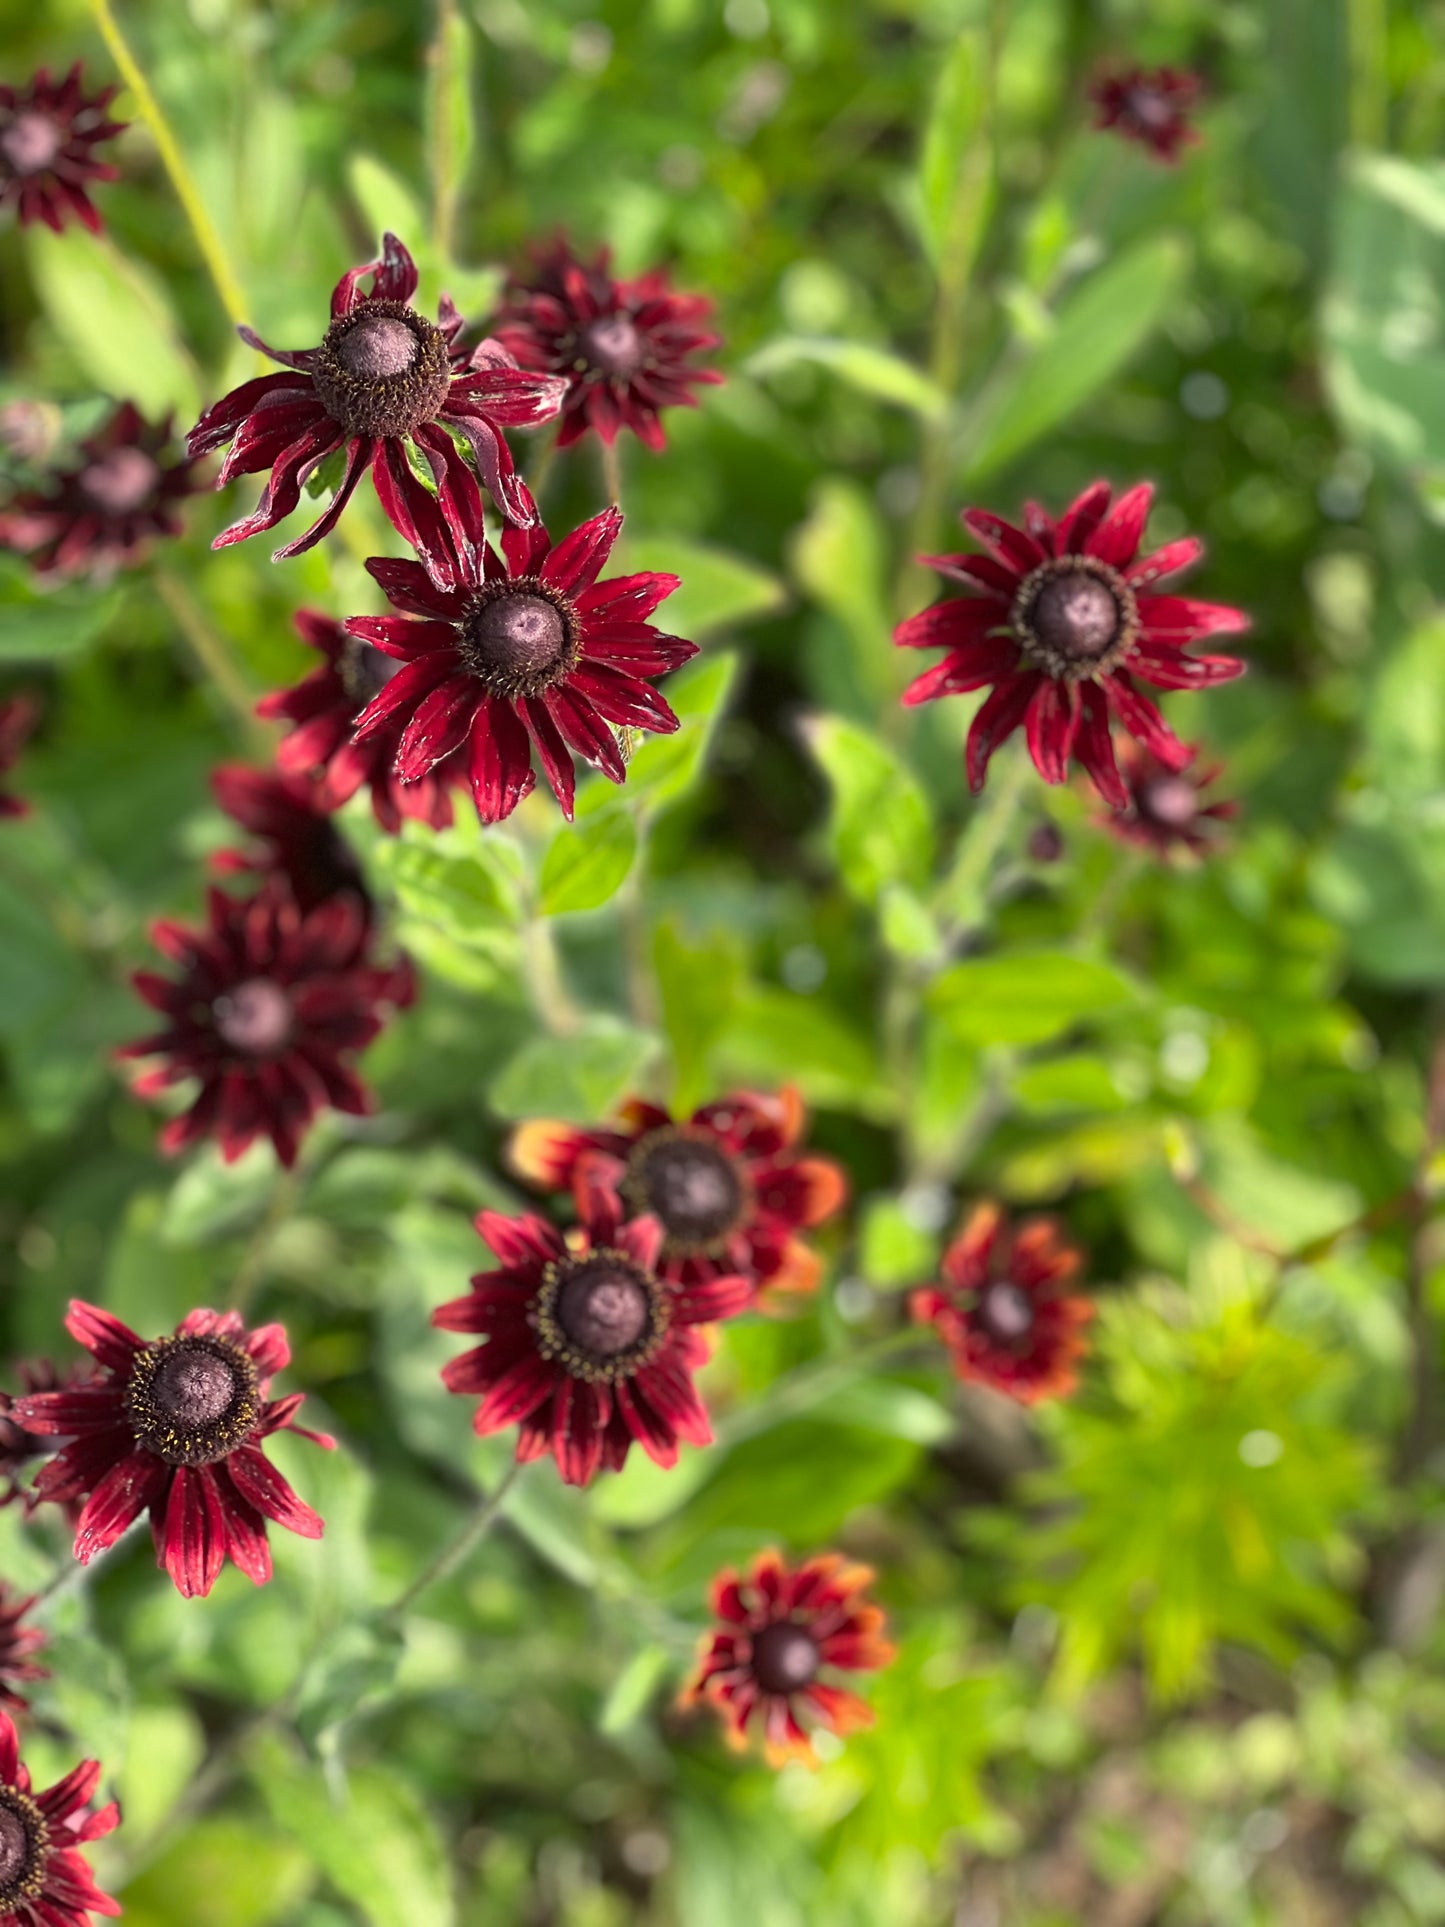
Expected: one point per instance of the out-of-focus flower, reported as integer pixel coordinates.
(727, 1184)
(382, 377)
(176, 1428)
(1063, 620)
(103, 512)
(1168, 809)
(44, 1880)
(1150, 106)
(626, 348)
(527, 650)
(288, 815)
(782, 1632)
(49, 132)
(18, 717)
(1002, 1308)
(19, 1644)
(18, 1448)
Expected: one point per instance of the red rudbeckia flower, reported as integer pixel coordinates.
(1150, 107)
(18, 717)
(1002, 1310)
(19, 1644)
(176, 1427)
(507, 656)
(782, 1632)
(17, 1446)
(383, 376)
(1062, 623)
(48, 135)
(625, 348)
(287, 814)
(727, 1185)
(102, 513)
(1168, 809)
(268, 1005)
(44, 1881)
(589, 1349)
(324, 707)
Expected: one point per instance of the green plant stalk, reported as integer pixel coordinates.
(1369, 78)
(213, 656)
(207, 239)
(446, 170)
(484, 1516)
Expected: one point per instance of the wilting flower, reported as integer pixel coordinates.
(324, 706)
(1064, 619)
(48, 135)
(1002, 1309)
(44, 1881)
(1167, 807)
(101, 513)
(17, 1446)
(176, 1428)
(727, 1184)
(383, 376)
(268, 1005)
(588, 1347)
(1151, 107)
(18, 716)
(19, 1644)
(782, 1632)
(287, 815)
(507, 656)
(626, 348)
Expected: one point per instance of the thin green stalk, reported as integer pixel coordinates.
(447, 153)
(1369, 73)
(612, 473)
(550, 995)
(542, 468)
(212, 654)
(485, 1515)
(252, 1267)
(963, 895)
(209, 242)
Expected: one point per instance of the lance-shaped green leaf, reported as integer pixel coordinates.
(880, 827)
(871, 370)
(114, 317)
(719, 590)
(587, 862)
(1026, 996)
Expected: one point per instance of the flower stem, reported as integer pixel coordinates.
(252, 1267)
(963, 894)
(209, 242)
(612, 473)
(212, 654)
(484, 1516)
(446, 157)
(550, 995)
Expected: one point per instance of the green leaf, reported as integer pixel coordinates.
(389, 202)
(1097, 330)
(719, 590)
(449, 108)
(698, 985)
(953, 124)
(113, 316)
(47, 625)
(781, 1037)
(633, 1690)
(839, 557)
(872, 371)
(211, 1200)
(580, 1077)
(222, 1872)
(880, 828)
(664, 767)
(467, 885)
(893, 1249)
(587, 863)
(1026, 996)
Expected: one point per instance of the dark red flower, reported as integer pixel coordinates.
(1150, 107)
(781, 1631)
(626, 348)
(268, 1005)
(727, 1185)
(506, 657)
(1002, 1310)
(48, 135)
(1062, 621)
(383, 376)
(44, 1881)
(589, 1349)
(1167, 807)
(19, 1447)
(18, 717)
(325, 705)
(176, 1427)
(102, 513)
(288, 815)
(19, 1644)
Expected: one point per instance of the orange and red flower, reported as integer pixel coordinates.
(727, 1184)
(782, 1632)
(1002, 1308)
(48, 135)
(44, 1881)
(1150, 106)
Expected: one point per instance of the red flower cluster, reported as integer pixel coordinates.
(287, 816)
(19, 1644)
(1169, 809)
(1150, 106)
(176, 1428)
(48, 135)
(44, 1880)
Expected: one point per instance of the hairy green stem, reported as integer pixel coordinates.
(611, 472)
(446, 170)
(484, 1516)
(213, 656)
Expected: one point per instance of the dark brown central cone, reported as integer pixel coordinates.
(194, 1388)
(14, 1849)
(613, 345)
(192, 1400)
(517, 639)
(1076, 617)
(1005, 1313)
(1170, 800)
(24, 1850)
(256, 1017)
(603, 1309)
(31, 142)
(785, 1657)
(120, 480)
(377, 346)
(382, 370)
(365, 671)
(692, 1186)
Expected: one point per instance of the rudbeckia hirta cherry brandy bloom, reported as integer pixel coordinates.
(176, 1428)
(102, 512)
(728, 1185)
(44, 1881)
(589, 1349)
(626, 349)
(383, 376)
(19, 1644)
(527, 650)
(324, 706)
(18, 717)
(1169, 809)
(49, 132)
(289, 818)
(268, 1006)
(1063, 622)
(1148, 106)
(781, 1633)
(19, 1448)
(1002, 1307)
